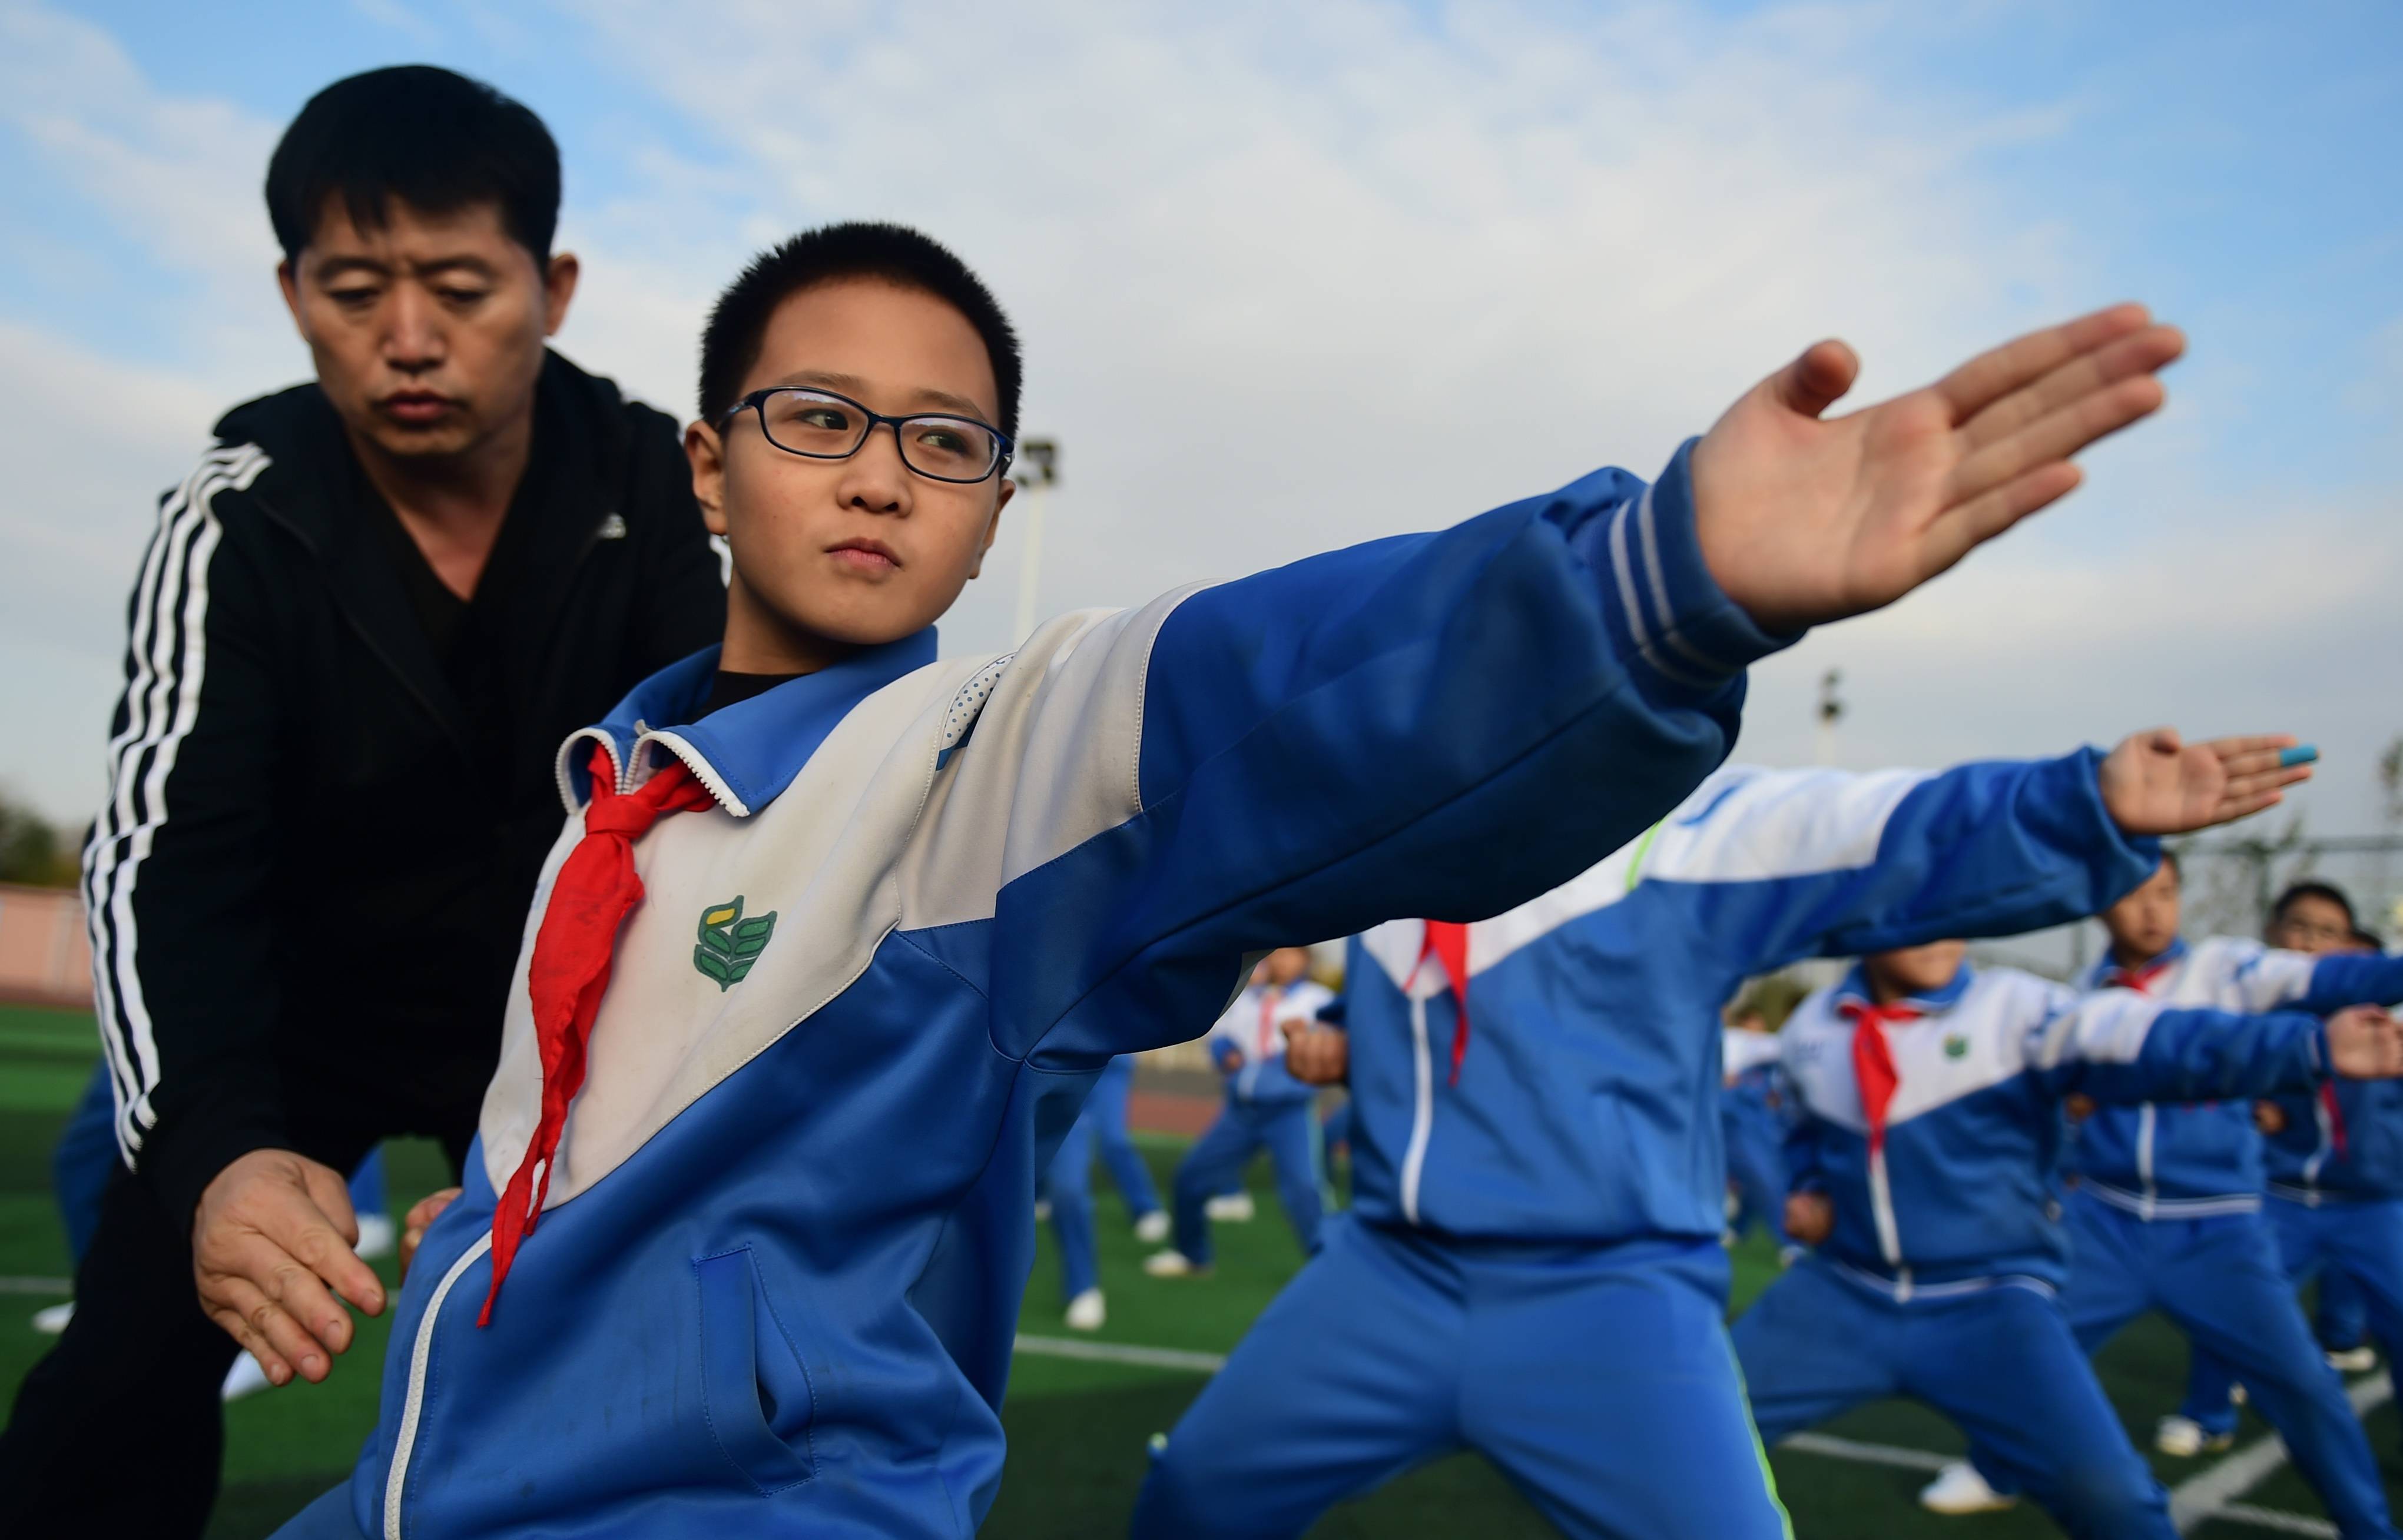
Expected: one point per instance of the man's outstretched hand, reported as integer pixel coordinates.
(1804, 520)
(272, 1253)
(2154, 783)
(2365, 1044)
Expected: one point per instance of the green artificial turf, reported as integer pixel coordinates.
(1078, 1429)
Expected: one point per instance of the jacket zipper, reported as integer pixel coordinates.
(2146, 1117)
(1422, 1108)
(421, 1354)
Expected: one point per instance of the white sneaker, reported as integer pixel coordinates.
(50, 1320)
(245, 1379)
(376, 1236)
(1152, 1228)
(1172, 1263)
(1959, 1488)
(1229, 1208)
(1086, 1313)
(2360, 1360)
(2183, 1437)
(1043, 1211)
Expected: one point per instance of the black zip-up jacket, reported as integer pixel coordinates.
(310, 882)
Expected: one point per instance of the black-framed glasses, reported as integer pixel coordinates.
(823, 425)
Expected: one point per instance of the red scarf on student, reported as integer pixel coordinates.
(596, 889)
(1448, 944)
(1873, 1059)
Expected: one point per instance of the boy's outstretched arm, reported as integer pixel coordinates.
(2118, 1046)
(1448, 724)
(1785, 865)
(1805, 519)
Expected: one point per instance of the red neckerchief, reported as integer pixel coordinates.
(596, 889)
(2140, 979)
(1448, 944)
(2335, 1117)
(1873, 1059)
(1270, 995)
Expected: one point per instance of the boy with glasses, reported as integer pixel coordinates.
(817, 975)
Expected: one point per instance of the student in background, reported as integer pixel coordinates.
(1930, 1117)
(1265, 1107)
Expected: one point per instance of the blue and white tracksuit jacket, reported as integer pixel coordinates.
(2167, 1160)
(1754, 1122)
(1937, 1281)
(776, 1284)
(1535, 1270)
(1961, 1194)
(2352, 1153)
(1586, 1107)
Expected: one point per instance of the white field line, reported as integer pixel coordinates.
(1122, 1352)
(2207, 1496)
(60, 1286)
(2272, 1519)
(2210, 1497)
(1864, 1454)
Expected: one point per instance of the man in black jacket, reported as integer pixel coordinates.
(366, 622)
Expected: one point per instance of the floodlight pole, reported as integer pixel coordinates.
(1831, 711)
(1037, 473)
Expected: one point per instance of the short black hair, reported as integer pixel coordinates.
(729, 344)
(435, 140)
(2314, 888)
(2368, 940)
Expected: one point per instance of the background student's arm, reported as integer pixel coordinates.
(2118, 1046)
(1783, 864)
(2273, 979)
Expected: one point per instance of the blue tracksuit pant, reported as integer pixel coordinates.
(2357, 1247)
(1069, 1184)
(1755, 1163)
(2341, 1314)
(1597, 1379)
(2221, 1281)
(2000, 1361)
(1106, 1110)
(1216, 1164)
(86, 1155)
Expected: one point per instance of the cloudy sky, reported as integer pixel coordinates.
(1294, 276)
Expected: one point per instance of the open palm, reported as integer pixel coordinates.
(2155, 783)
(1804, 519)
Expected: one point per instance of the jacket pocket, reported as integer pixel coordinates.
(755, 1388)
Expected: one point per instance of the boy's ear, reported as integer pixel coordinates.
(992, 525)
(707, 453)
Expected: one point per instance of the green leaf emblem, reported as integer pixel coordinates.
(1955, 1046)
(730, 944)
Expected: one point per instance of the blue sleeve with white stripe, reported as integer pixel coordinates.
(2347, 979)
(1442, 724)
(1783, 864)
(2116, 1046)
